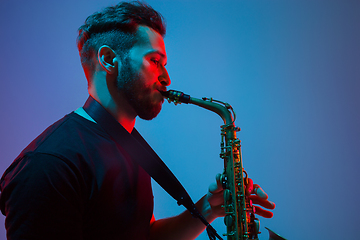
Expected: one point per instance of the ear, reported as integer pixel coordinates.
(107, 59)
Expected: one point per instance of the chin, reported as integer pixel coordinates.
(150, 113)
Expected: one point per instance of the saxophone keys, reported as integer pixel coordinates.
(228, 220)
(227, 196)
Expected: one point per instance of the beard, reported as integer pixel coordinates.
(132, 85)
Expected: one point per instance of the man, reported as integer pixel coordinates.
(75, 181)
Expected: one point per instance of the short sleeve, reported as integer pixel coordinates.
(42, 198)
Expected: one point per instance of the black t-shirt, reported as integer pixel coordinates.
(73, 182)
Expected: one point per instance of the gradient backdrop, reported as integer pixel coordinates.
(290, 69)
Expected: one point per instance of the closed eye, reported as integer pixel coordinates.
(155, 61)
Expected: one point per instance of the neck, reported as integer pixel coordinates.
(118, 108)
(120, 111)
(104, 92)
(127, 123)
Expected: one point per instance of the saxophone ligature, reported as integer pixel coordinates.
(240, 220)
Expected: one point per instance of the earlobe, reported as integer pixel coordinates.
(107, 59)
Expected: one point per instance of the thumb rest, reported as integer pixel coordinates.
(240, 220)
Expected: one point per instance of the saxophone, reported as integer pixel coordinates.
(240, 220)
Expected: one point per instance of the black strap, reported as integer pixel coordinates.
(144, 155)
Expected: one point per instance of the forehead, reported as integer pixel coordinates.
(149, 41)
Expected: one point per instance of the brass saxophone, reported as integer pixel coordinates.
(240, 220)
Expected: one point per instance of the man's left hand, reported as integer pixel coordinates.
(253, 191)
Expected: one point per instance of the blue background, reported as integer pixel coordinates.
(290, 69)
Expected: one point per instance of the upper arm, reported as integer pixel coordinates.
(42, 199)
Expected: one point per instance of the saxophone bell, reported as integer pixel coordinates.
(274, 236)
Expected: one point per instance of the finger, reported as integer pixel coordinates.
(219, 211)
(216, 187)
(264, 213)
(249, 187)
(262, 202)
(259, 192)
(213, 188)
(218, 181)
(216, 199)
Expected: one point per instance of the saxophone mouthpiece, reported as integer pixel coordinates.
(164, 93)
(176, 96)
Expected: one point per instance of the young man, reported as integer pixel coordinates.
(74, 181)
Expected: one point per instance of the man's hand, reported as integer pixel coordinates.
(257, 195)
(215, 197)
(254, 192)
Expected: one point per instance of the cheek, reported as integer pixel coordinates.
(150, 70)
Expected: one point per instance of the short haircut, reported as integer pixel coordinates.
(115, 26)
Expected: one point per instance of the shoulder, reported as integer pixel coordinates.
(61, 149)
(69, 137)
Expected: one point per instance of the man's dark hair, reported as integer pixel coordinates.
(115, 26)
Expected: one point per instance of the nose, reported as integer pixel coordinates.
(164, 78)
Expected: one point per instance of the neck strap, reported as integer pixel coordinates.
(140, 152)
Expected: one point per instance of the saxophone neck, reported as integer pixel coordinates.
(220, 108)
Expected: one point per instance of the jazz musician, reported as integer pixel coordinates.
(74, 181)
